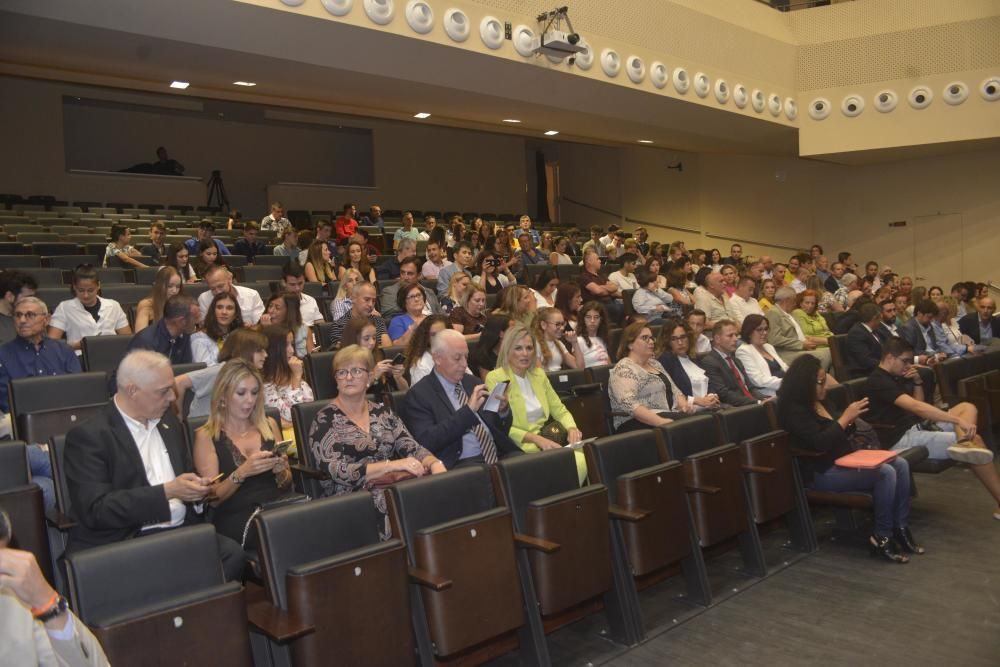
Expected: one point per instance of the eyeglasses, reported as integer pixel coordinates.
(414, 296)
(646, 339)
(26, 316)
(761, 329)
(344, 373)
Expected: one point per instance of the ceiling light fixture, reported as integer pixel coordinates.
(422, 114)
(645, 141)
(551, 133)
(244, 83)
(179, 84)
(511, 120)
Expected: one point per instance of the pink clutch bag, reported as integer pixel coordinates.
(865, 459)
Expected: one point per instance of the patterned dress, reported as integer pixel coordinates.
(344, 450)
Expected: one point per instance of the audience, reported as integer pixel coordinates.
(238, 441)
(362, 305)
(982, 326)
(486, 356)
(763, 367)
(727, 377)
(171, 334)
(642, 393)
(120, 253)
(388, 376)
(596, 287)
(674, 349)
(548, 329)
(319, 263)
(768, 288)
(469, 317)
(786, 334)
(362, 444)
(540, 420)
(409, 276)
(569, 299)
(463, 261)
(625, 277)
(178, 257)
(593, 335)
(389, 269)
(289, 246)
(248, 245)
(157, 249)
(275, 222)
(282, 373)
(953, 341)
(205, 232)
(220, 281)
(87, 314)
(357, 260)
(247, 344)
(166, 284)
(223, 318)
(129, 471)
(283, 309)
(492, 272)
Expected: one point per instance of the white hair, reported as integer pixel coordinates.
(443, 339)
(137, 366)
(784, 293)
(35, 301)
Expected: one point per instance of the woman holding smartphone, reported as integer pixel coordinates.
(238, 441)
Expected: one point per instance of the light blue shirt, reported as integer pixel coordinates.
(470, 443)
(985, 332)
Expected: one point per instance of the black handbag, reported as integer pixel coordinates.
(555, 432)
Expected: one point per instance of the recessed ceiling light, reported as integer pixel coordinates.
(511, 120)
(244, 83)
(645, 141)
(179, 84)
(551, 133)
(422, 114)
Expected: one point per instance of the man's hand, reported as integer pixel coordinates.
(187, 487)
(477, 397)
(20, 573)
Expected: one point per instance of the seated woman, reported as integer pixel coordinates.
(356, 258)
(652, 302)
(569, 299)
(492, 273)
(518, 303)
(284, 309)
(817, 426)
(458, 285)
(826, 302)
(639, 386)
(558, 255)
(387, 376)
(548, 330)
(410, 299)
(179, 258)
(811, 321)
(166, 284)
(729, 278)
(418, 352)
(764, 368)
(357, 441)
(593, 335)
(676, 351)
(120, 253)
(283, 383)
(223, 318)
(655, 265)
(247, 344)
(87, 314)
(545, 289)
(484, 358)
(677, 287)
(319, 263)
(342, 300)
(207, 257)
(533, 401)
(238, 440)
(767, 289)
(469, 317)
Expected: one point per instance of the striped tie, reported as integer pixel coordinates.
(486, 444)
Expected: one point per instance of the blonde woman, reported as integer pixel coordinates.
(342, 300)
(518, 303)
(548, 329)
(238, 441)
(458, 285)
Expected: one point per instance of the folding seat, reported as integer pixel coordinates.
(307, 472)
(14, 469)
(50, 405)
(838, 355)
(104, 353)
(65, 230)
(182, 209)
(13, 230)
(235, 261)
(54, 246)
(125, 294)
(564, 555)
(66, 262)
(13, 248)
(568, 272)
(26, 509)
(47, 292)
(186, 611)
(115, 277)
(563, 381)
(271, 260)
(588, 403)
(532, 271)
(319, 373)
(146, 276)
(87, 206)
(262, 273)
(614, 338)
(715, 486)
(772, 479)
(149, 208)
(22, 262)
(983, 391)
(465, 589)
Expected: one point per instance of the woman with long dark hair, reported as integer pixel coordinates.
(386, 376)
(418, 351)
(166, 284)
(283, 382)
(223, 318)
(179, 258)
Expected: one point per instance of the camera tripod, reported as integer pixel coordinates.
(217, 190)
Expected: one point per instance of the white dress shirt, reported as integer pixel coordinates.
(741, 307)
(251, 305)
(156, 461)
(73, 318)
(309, 309)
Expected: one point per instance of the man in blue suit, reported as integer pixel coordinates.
(444, 411)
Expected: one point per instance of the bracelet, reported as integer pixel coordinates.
(39, 611)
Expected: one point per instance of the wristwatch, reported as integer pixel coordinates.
(57, 608)
(236, 479)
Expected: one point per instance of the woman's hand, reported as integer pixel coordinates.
(570, 336)
(573, 435)
(265, 319)
(707, 401)
(256, 463)
(296, 366)
(544, 443)
(855, 410)
(410, 465)
(437, 468)
(684, 406)
(381, 368)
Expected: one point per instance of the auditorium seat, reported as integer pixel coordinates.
(40, 246)
(319, 373)
(186, 611)
(21, 262)
(838, 356)
(301, 566)
(261, 273)
(103, 353)
(271, 260)
(125, 294)
(66, 262)
(26, 509)
(46, 277)
(48, 405)
(563, 381)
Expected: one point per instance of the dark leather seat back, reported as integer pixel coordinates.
(564, 380)
(767, 455)
(948, 373)
(838, 356)
(547, 502)
(302, 565)
(589, 410)
(319, 373)
(103, 353)
(839, 396)
(691, 435)
(303, 416)
(13, 464)
(57, 457)
(53, 404)
(24, 505)
(159, 595)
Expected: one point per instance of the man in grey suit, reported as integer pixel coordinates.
(726, 375)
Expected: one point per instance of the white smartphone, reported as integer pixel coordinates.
(492, 403)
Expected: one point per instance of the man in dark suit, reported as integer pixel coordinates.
(863, 348)
(128, 469)
(726, 376)
(981, 326)
(444, 410)
(917, 331)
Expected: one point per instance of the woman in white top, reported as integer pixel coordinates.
(548, 328)
(546, 285)
(675, 350)
(492, 273)
(559, 256)
(764, 368)
(179, 258)
(87, 315)
(223, 318)
(593, 335)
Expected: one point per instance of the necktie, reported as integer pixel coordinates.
(739, 377)
(486, 444)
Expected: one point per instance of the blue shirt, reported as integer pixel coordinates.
(470, 443)
(20, 358)
(985, 332)
(399, 325)
(192, 246)
(157, 338)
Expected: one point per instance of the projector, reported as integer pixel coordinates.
(557, 44)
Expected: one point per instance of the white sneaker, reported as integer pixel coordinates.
(964, 453)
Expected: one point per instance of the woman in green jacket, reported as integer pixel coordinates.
(532, 400)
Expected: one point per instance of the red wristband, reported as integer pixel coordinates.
(40, 611)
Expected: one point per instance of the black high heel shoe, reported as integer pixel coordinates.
(904, 538)
(886, 548)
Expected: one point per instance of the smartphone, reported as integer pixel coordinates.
(399, 359)
(281, 448)
(6, 530)
(568, 328)
(218, 478)
(492, 403)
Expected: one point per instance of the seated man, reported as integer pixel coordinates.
(786, 334)
(289, 246)
(528, 254)
(918, 333)
(696, 320)
(596, 287)
(374, 217)
(726, 376)
(157, 248)
(524, 227)
(896, 397)
(346, 225)
(249, 245)
(445, 409)
(464, 259)
(982, 326)
(863, 348)
(711, 299)
(742, 302)
(389, 269)
(129, 470)
(171, 334)
(437, 259)
(407, 231)
(293, 281)
(206, 229)
(409, 274)
(220, 281)
(362, 305)
(275, 223)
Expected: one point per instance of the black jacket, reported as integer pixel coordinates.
(969, 325)
(722, 382)
(863, 350)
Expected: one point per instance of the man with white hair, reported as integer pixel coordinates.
(128, 469)
(712, 300)
(787, 336)
(446, 411)
(220, 281)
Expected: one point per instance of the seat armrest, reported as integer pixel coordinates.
(276, 623)
(422, 577)
(627, 514)
(707, 490)
(762, 470)
(536, 543)
(60, 521)
(307, 472)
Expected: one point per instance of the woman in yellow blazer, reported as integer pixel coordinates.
(532, 400)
